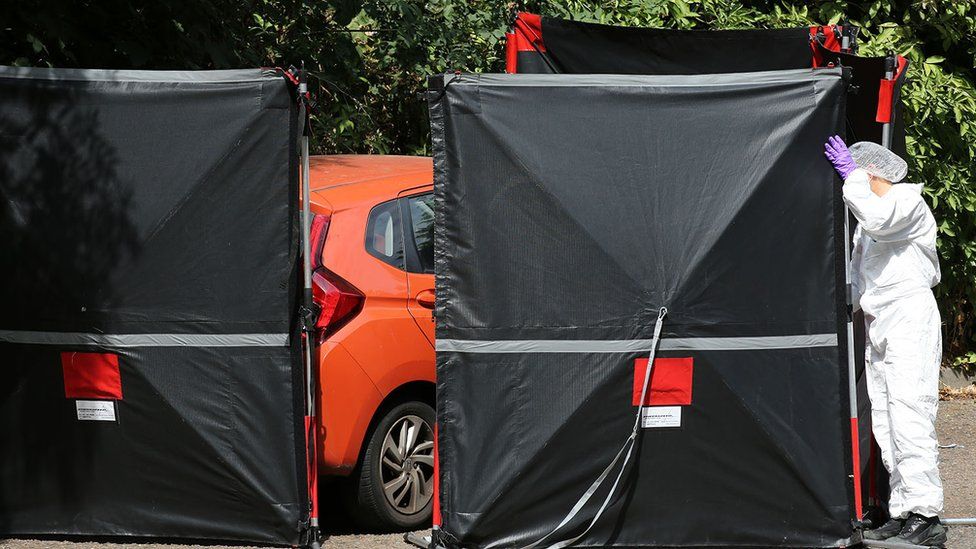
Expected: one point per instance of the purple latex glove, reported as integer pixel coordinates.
(836, 151)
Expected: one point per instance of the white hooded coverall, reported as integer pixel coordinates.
(894, 265)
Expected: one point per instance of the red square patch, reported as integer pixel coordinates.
(91, 375)
(670, 383)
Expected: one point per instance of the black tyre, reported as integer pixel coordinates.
(393, 487)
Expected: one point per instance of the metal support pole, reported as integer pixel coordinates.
(848, 37)
(307, 272)
(959, 521)
(308, 341)
(845, 37)
(890, 544)
(851, 370)
(891, 62)
(852, 373)
(310, 408)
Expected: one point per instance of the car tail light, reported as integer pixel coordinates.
(337, 301)
(317, 233)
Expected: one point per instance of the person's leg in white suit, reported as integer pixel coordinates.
(903, 360)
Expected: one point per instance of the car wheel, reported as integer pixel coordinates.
(394, 487)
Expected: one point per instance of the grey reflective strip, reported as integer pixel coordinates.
(959, 521)
(790, 76)
(637, 345)
(144, 340)
(226, 76)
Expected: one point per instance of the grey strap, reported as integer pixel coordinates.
(627, 450)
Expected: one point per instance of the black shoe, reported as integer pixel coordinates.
(919, 530)
(887, 530)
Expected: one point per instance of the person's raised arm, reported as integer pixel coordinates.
(889, 218)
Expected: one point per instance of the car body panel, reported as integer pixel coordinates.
(420, 286)
(340, 436)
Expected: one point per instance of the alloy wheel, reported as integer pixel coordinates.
(407, 465)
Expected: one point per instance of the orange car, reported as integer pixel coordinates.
(373, 261)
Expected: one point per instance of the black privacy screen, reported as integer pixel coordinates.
(570, 209)
(148, 242)
(575, 47)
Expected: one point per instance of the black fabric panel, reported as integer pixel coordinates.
(748, 467)
(589, 48)
(610, 187)
(574, 47)
(573, 207)
(138, 202)
(199, 450)
(111, 187)
(532, 62)
(862, 108)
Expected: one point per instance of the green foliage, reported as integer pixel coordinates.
(119, 34)
(371, 59)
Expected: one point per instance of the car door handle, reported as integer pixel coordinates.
(426, 299)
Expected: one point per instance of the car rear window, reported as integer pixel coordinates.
(422, 224)
(384, 237)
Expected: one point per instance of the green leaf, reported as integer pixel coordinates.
(36, 44)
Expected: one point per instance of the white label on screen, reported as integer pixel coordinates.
(95, 410)
(657, 417)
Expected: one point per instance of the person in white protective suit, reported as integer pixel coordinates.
(894, 266)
